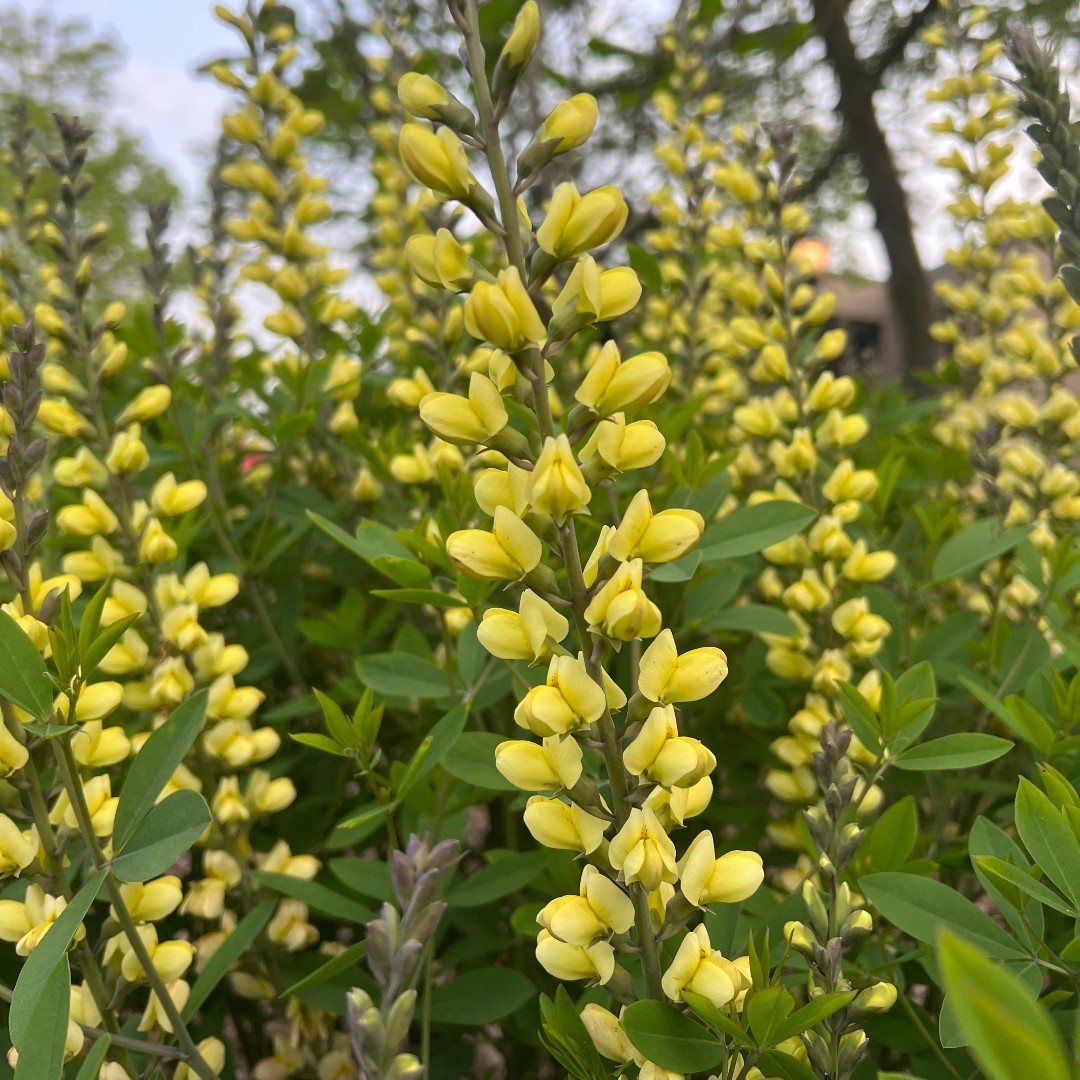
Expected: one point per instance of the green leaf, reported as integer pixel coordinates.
(783, 1066)
(22, 671)
(318, 741)
(41, 1054)
(472, 759)
(319, 897)
(445, 733)
(704, 1009)
(93, 1061)
(368, 877)
(805, 1018)
(481, 997)
(105, 641)
(505, 875)
(751, 528)
(335, 719)
(403, 675)
(350, 957)
(887, 843)
(421, 596)
(962, 751)
(975, 545)
(756, 618)
(169, 830)
(1009, 1034)
(1029, 723)
(670, 1039)
(1014, 876)
(227, 953)
(860, 715)
(27, 1000)
(154, 765)
(643, 262)
(1048, 838)
(49, 731)
(987, 698)
(766, 1010)
(922, 907)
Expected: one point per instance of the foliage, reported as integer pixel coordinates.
(575, 662)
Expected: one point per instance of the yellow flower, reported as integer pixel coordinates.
(436, 159)
(156, 545)
(556, 485)
(655, 538)
(550, 766)
(503, 314)
(862, 565)
(705, 879)
(570, 123)
(699, 968)
(439, 260)
(600, 909)
(676, 806)
(90, 518)
(507, 553)
(575, 223)
(13, 755)
(128, 453)
(620, 609)
(613, 385)
(643, 851)
(663, 756)
(525, 634)
(152, 900)
(595, 962)
(625, 446)
(421, 95)
(568, 700)
(607, 1034)
(82, 469)
(461, 420)
(521, 43)
(593, 295)
(59, 417)
(664, 676)
(96, 747)
(172, 499)
(17, 849)
(564, 826)
(148, 403)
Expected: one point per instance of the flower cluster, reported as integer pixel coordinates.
(537, 489)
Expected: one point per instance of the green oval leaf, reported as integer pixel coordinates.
(670, 1038)
(481, 997)
(22, 671)
(752, 528)
(155, 764)
(963, 751)
(508, 874)
(975, 545)
(319, 897)
(169, 830)
(403, 675)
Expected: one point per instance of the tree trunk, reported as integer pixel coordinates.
(909, 289)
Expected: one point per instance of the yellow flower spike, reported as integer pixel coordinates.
(620, 609)
(59, 417)
(563, 826)
(569, 699)
(865, 566)
(600, 909)
(525, 634)
(148, 404)
(17, 849)
(642, 851)
(664, 676)
(172, 499)
(624, 446)
(613, 385)
(551, 766)
(557, 486)
(595, 962)
(503, 314)
(705, 879)
(153, 900)
(464, 421)
(699, 968)
(437, 160)
(439, 261)
(655, 538)
(662, 756)
(577, 223)
(507, 487)
(507, 553)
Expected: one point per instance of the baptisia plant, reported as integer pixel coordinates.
(609, 772)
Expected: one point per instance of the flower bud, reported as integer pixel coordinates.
(556, 485)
